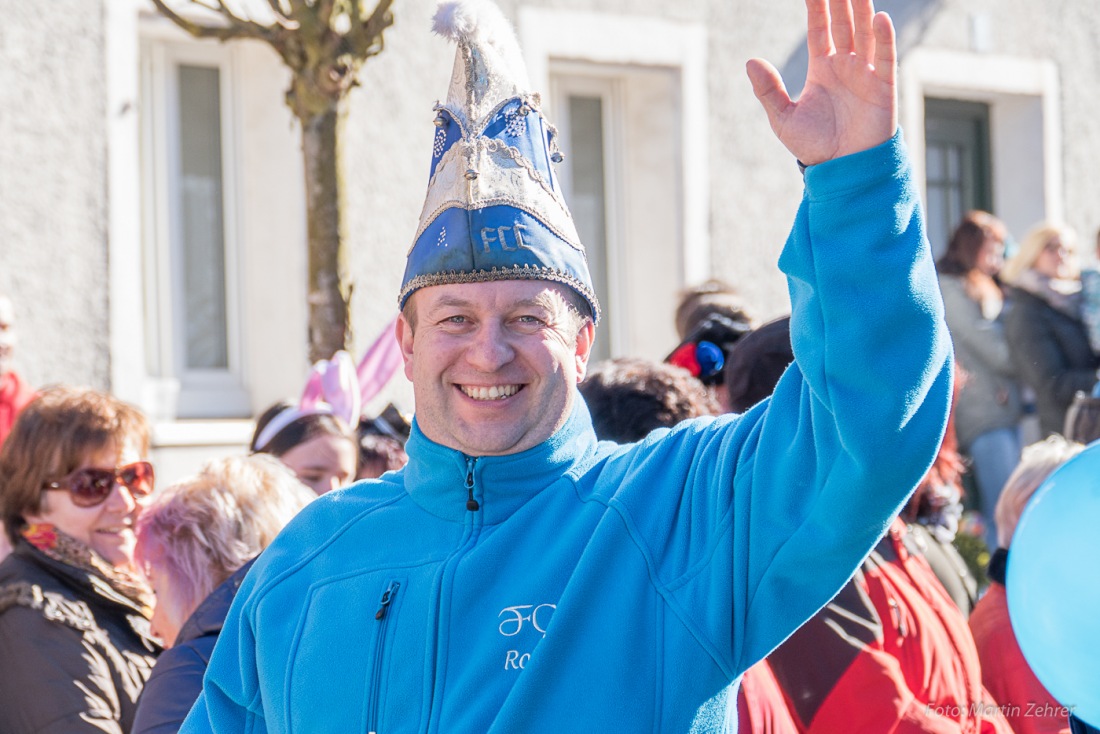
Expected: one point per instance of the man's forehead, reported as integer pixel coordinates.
(492, 294)
(7, 311)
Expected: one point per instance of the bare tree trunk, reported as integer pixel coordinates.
(324, 62)
(329, 284)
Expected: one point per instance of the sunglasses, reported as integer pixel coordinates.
(90, 487)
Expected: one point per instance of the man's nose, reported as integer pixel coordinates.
(490, 349)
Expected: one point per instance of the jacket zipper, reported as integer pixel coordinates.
(382, 618)
(446, 580)
(471, 504)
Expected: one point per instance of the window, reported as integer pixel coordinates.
(957, 168)
(621, 178)
(189, 245)
(1006, 112)
(587, 106)
(635, 172)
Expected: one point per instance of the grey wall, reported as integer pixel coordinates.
(53, 231)
(53, 234)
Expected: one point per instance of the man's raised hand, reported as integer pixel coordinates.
(849, 102)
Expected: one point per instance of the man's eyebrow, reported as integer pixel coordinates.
(450, 302)
(540, 301)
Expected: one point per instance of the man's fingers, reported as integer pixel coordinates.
(863, 13)
(819, 40)
(886, 49)
(840, 13)
(768, 87)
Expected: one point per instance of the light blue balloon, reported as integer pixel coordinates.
(1053, 584)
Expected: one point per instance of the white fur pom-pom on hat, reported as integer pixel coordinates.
(480, 24)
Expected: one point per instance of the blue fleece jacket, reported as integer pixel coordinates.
(613, 588)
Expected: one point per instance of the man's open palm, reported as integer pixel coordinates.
(849, 102)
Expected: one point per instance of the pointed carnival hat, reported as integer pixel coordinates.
(494, 209)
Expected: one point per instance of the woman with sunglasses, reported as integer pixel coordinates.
(74, 617)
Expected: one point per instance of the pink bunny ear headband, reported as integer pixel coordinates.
(338, 388)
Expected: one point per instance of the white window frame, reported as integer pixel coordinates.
(568, 80)
(1025, 124)
(196, 393)
(565, 42)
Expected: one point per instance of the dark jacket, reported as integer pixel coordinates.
(177, 677)
(948, 565)
(1079, 727)
(1052, 355)
(74, 654)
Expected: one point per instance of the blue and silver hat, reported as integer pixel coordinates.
(494, 209)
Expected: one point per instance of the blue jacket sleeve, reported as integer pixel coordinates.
(752, 523)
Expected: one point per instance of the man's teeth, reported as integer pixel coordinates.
(496, 392)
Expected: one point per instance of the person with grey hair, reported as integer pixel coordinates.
(196, 541)
(517, 575)
(1028, 706)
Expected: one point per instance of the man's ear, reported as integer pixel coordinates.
(585, 338)
(404, 331)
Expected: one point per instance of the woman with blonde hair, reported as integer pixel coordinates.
(1046, 335)
(196, 541)
(74, 617)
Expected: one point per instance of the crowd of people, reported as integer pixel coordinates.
(757, 533)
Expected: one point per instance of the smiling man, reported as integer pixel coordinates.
(519, 576)
(495, 364)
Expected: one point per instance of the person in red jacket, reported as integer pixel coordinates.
(14, 392)
(1027, 704)
(890, 653)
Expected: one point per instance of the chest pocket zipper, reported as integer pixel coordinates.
(382, 620)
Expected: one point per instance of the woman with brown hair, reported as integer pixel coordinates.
(988, 412)
(74, 618)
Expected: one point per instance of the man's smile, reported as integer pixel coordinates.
(493, 392)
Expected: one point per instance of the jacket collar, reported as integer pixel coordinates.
(208, 617)
(436, 476)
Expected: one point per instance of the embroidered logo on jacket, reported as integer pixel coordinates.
(530, 619)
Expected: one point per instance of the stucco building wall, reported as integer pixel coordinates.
(53, 234)
(59, 220)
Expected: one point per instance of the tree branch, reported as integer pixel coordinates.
(237, 27)
(250, 27)
(366, 37)
(298, 8)
(323, 10)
